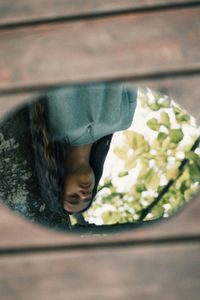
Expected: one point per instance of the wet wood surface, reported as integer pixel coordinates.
(148, 43)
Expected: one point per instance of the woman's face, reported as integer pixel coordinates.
(78, 187)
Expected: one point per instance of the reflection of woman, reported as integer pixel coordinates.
(71, 130)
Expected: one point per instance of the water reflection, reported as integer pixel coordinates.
(143, 161)
(152, 168)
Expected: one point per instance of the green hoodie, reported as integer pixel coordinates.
(83, 114)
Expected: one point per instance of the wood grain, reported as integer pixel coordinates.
(154, 272)
(32, 11)
(114, 47)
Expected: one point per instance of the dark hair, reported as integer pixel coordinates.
(49, 157)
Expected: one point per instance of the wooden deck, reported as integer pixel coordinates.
(147, 43)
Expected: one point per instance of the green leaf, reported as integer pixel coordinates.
(148, 156)
(157, 212)
(161, 161)
(156, 145)
(165, 103)
(177, 110)
(194, 172)
(146, 148)
(135, 140)
(183, 187)
(121, 152)
(144, 168)
(193, 156)
(184, 118)
(131, 162)
(154, 106)
(172, 145)
(181, 116)
(137, 206)
(152, 179)
(168, 145)
(123, 173)
(153, 124)
(162, 136)
(140, 188)
(107, 183)
(186, 175)
(176, 135)
(165, 119)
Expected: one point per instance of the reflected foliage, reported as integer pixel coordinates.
(163, 150)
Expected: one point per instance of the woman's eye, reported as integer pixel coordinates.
(74, 196)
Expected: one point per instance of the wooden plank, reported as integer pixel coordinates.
(162, 272)
(32, 11)
(18, 233)
(113, 47)
(184, 90)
